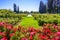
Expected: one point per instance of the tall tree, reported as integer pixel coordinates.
(50, 6)
(14, 6)
(17, 9)
(58, 4)
(55, 6)
(42, 7)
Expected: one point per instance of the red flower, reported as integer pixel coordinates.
(58, 33)
(12, 34)
(42, 36)
(4, 38)
(2, 33)
(1, 24)
(24, 39)
(10, 27)
(31, 29)
(31, 37)
(15, 29)
(54, 39)
(32, 33)
(55, 26)
(47, 30)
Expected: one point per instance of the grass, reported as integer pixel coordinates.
(29, 22)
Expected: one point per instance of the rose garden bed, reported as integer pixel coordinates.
(48, 32)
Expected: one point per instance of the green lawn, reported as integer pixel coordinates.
(29, 22)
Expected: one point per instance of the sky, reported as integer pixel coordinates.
(24, 5)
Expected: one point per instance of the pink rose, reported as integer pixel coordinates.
(58, 33)
(4, 38)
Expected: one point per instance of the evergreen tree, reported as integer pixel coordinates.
(14, 7)
(50, 6)
(42, 7)
(55, 7)
(17, 9)
(58, 4)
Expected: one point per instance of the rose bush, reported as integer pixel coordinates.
(48, 32)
